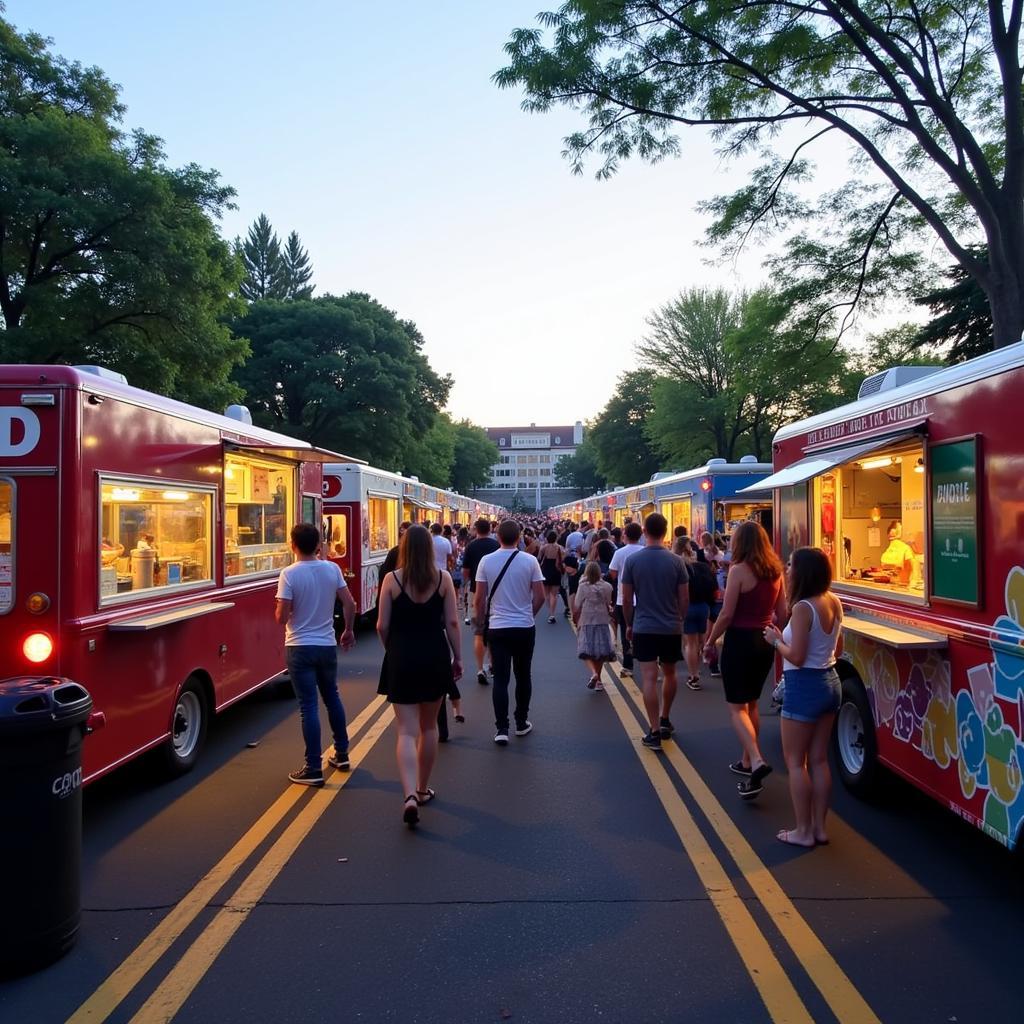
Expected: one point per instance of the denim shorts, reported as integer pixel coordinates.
(810, 693)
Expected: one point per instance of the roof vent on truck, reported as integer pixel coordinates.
(102, 371)
(894, 377)
(718, 462)
(746, 460)
(240, 413)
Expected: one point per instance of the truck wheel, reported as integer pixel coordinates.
(188, 729)
(853, 740)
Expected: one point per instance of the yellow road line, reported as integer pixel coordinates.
(839, 992)
(102, 1003)
(768, 975)
(186, 974)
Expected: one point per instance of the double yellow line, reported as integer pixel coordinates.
(189, 970)
(777, 991)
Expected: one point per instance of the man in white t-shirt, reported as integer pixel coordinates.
(306, 592)
(574, 541)
(632, 532)
(444, 556)
(510, 581)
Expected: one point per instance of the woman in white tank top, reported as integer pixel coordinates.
(809, 645)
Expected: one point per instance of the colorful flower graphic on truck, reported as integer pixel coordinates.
(911, 696)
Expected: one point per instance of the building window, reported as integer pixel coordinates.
(521, 459)
(501, 441)
(154, 537)
(558, 440)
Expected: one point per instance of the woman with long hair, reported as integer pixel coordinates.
(754, 595)
(550, 557)
(695, 625)
(418, 624)
(593, 609)
(809, 646)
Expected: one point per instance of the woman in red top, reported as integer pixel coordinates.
(754, 597)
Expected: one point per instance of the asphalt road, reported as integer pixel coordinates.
(556, 880)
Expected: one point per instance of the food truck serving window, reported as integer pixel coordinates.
(259, 511)
(153, 537)
(868, 516)
(6, 546)
(382, 515)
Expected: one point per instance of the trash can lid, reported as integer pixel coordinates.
(34, 703)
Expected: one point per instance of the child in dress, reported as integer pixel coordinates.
(593, 609)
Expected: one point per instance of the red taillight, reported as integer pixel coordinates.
(37, 647)
(705, 485)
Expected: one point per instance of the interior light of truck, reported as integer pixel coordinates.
(919, 468)
(881, 463)
(124, 494)
(37, 603)
(37, 647)
(175, 495)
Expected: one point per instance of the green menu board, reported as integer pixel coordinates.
(956, 571)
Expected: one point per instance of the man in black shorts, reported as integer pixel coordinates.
(658, 581)
(482, 545)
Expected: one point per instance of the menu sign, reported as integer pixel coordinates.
(956, 570)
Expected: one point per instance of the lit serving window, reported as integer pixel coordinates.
(6, 546)
(153, 537)
(869, 519)
(382, 514)
(259, 512)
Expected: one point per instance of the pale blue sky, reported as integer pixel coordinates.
(375, 132)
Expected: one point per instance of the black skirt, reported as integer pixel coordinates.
(746, 660)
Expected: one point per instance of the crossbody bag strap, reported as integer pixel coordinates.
(494, 589)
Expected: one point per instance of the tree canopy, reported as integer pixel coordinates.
(106, 254)
(343, 373)
(925, 96)
(623, 451)
(580, 470)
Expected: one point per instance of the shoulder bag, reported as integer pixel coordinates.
(490, 596)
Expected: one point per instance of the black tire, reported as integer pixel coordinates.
(189, 722)
(854, 744)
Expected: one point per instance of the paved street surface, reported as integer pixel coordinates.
(573, 876)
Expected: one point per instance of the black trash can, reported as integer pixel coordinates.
(42, 723)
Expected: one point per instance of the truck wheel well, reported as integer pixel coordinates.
(202, 677)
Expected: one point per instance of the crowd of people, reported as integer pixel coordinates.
(636, 596)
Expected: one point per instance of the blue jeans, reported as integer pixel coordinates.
(315, 670)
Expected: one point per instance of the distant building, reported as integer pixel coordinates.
(527, 457)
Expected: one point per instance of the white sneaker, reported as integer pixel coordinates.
(466, 621)
(526, 727)
(501, 739)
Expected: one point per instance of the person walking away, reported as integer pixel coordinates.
(655, 598)
(574, 541)
(444, 556)
(809, 646)
(306, 592)
(418, 625)
(753, 596)
(509, 593)
(602, 551)
(482, 545)
(550, 557)
(695, 626)
(458, 578)
(632, 532)
(593, 613)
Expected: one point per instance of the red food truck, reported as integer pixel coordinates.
(140, 543)
(916, 493)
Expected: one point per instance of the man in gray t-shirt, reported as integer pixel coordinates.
(656, 580)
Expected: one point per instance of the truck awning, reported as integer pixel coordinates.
(822, 462)
(296, 452)
(420, 503)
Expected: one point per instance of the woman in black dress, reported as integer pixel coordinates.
(550, 557)
(418, 624)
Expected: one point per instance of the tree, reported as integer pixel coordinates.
(897, 346)
(926, 96)
(106, 255)
(298, 271)
(730, 373)
(580, 470)
(429, 456)
(475, 455)
(266, 270)
(961, 318)
(343, 373)
(623, 452)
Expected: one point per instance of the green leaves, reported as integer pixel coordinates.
(925, 98)
(108, 256)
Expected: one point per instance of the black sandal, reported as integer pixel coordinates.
(693, 682)
(749, 788)
(424, 796)
(411, 815)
